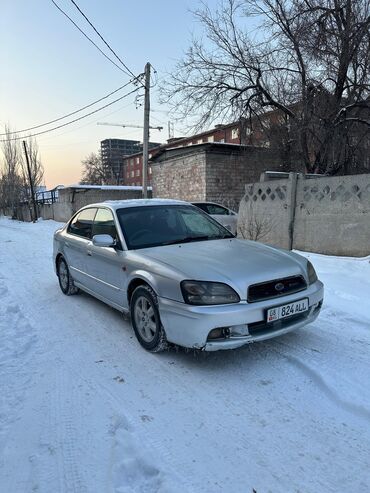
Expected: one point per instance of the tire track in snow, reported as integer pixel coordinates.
(133, 467)
(18, 340)
(67, 415)
(355, 409)
(134, 456)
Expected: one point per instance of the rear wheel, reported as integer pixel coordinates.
(65, 280)
(146, 321)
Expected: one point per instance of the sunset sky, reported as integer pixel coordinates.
(49, 69)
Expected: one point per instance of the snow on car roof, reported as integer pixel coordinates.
(116, 204)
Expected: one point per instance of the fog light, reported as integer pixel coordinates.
(219, 333)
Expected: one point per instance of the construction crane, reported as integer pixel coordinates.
(132, 126)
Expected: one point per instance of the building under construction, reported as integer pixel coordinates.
(113, 151)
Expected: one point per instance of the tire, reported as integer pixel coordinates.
(146, 321)
(65, 280)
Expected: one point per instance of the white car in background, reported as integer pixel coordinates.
(223, 215)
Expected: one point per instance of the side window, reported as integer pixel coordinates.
(202, 206)
(104, 224)
(81, 225)
(217, 210)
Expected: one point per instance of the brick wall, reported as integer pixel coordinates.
(215, 173)
(182, 177)
(228, 172)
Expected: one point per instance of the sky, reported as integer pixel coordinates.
(49, 69)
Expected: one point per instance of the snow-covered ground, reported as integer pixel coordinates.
(85, 409)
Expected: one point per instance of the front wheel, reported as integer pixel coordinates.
(146, 321)
(65, 280)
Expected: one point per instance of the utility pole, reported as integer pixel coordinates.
(31, 183)
(146, 131)
(171, 130)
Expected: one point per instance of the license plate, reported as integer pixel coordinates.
(287, 310)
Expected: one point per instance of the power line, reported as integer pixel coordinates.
(75, 120)
(46, 138)
(104, 41)
(68, 115)
(91, 41)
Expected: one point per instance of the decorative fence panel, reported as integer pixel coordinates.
(264, 212)
(330, 215)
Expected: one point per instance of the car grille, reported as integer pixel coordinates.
(259, 328)
(275, 288)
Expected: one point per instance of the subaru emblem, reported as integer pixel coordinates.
(279, 286)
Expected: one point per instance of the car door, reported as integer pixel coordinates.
(105, 264)
(75, 245)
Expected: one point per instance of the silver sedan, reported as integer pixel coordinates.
(183, 277)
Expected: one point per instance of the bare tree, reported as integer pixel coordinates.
(309, 64)
(15, 185)
(94, 171)
(11, 173)
(254, 226)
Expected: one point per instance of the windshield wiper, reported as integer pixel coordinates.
(187, 239)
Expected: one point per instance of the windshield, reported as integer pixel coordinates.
(149, 226)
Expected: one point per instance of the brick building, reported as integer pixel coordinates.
(133, 165)
(212, 171)
(113, 151)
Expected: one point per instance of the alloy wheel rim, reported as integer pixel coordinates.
(145, 319)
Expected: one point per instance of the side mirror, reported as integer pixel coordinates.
(103, 241)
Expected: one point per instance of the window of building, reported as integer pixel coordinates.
(150, 156)
(137, 160)
(235, 133)
(199, 141)
(132, 173)
(211, 138)
(150, 170)
(137, 172)
(128, 174)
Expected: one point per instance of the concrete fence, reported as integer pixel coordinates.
(329, 215)
(71, 199)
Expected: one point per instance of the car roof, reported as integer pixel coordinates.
(119, 204)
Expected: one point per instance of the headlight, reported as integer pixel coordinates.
(312, 276)
(208, 293)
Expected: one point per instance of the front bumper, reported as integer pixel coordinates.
(189, 326)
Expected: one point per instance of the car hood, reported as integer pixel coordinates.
(238, 263)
